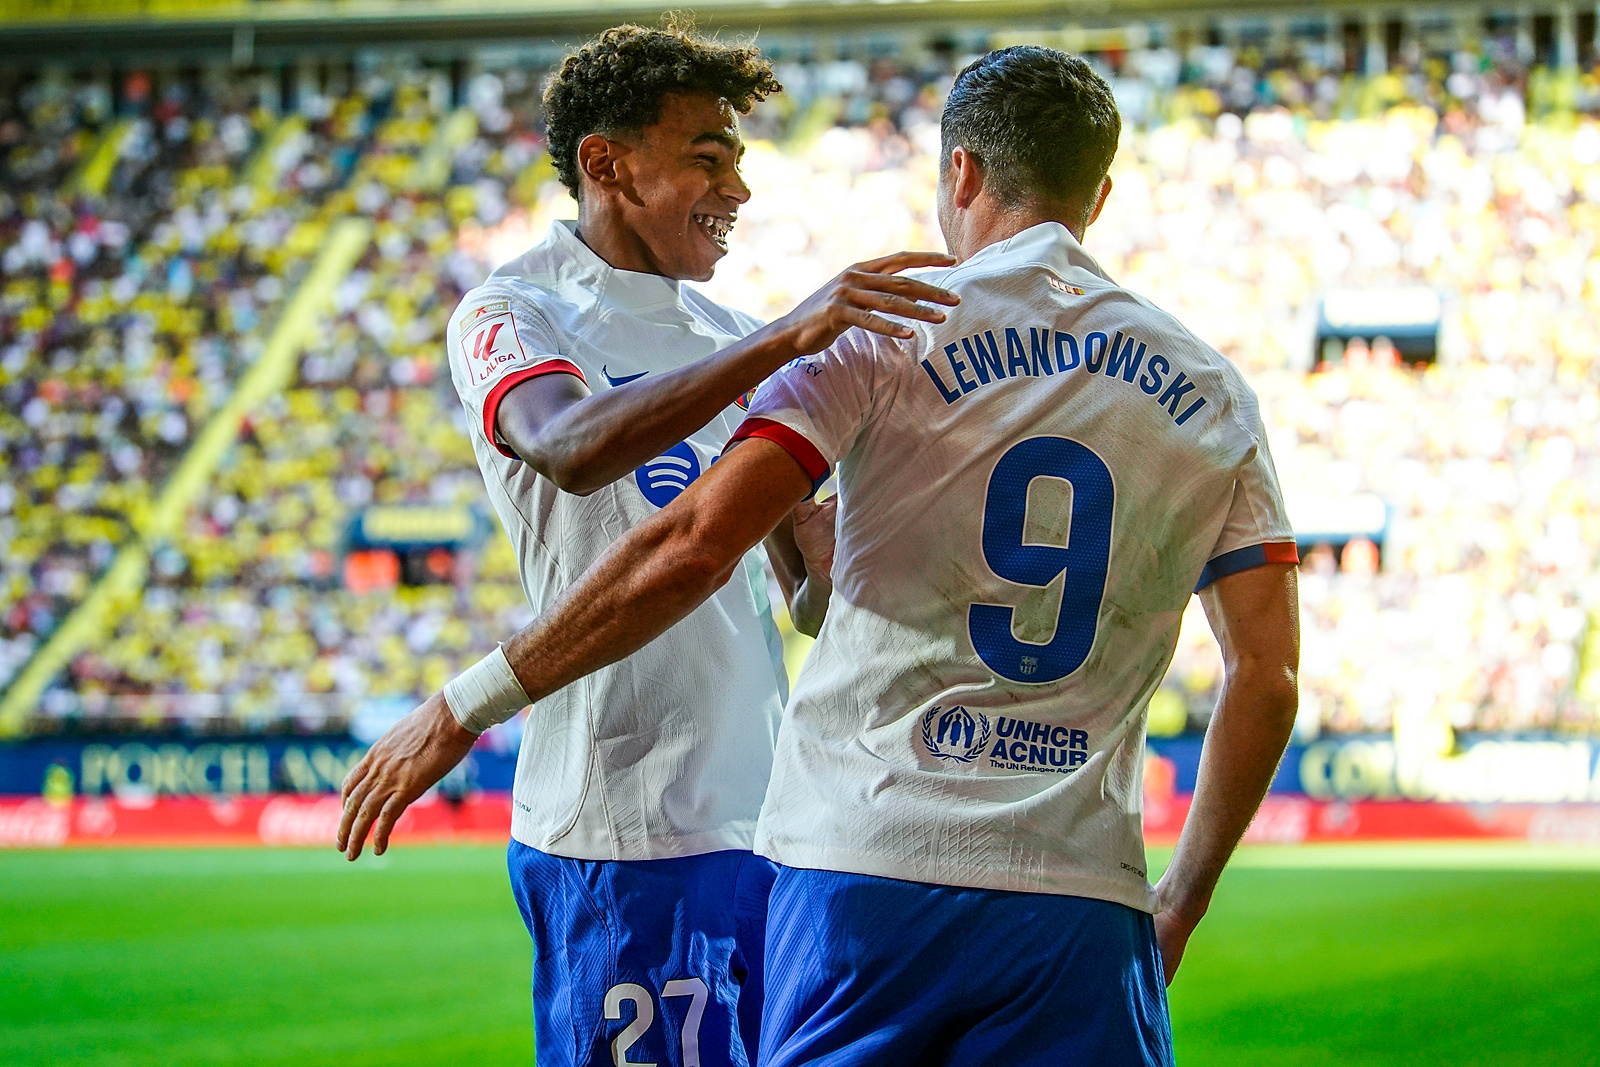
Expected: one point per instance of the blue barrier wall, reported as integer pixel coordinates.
(1482, 769)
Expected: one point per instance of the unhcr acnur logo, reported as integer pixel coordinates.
(954, 733)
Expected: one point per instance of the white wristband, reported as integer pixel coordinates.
(485, 693)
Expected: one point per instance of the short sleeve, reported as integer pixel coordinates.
(496, 342)
(815, 407)
(1257, 530)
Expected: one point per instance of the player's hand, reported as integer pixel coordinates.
(406, 762)
(862, 295)
(814, 534)
(1172, 937)
(1180, 913)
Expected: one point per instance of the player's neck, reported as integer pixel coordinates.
(987, 222)
(610, 238)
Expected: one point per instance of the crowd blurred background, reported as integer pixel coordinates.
(154, 224)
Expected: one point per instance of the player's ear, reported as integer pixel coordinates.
(967, 177)
(1100, 201)
(598, 159)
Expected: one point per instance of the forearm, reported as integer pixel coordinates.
(592, 444)
(1243, 746)
(646, 582)
(788, 563)
(649, 579)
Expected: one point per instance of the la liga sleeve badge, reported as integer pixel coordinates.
(491, 344)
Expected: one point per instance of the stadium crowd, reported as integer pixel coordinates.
(144, 265)
(255, 606)
(1244, 189)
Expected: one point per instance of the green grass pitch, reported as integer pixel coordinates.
(1349, 958)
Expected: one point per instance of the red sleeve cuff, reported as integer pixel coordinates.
(491, 403)
(803, 451)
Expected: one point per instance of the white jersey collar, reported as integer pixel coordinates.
(630, 290)
(1050, 243)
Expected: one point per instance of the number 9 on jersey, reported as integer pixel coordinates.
(1079, 564)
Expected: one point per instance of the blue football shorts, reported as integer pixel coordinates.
(649, 961)
(864, 970)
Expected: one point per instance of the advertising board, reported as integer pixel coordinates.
(1483, 769)
(281, 790)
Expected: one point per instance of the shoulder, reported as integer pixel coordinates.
(1214, 362)
(1219, 380)
(868, 365)
(984, 285)
(546, 281)
(530, 303)
(1170, 331)
(945, 277)
(952, 278)
(543, 264)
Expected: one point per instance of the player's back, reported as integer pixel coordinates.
(1030, 493)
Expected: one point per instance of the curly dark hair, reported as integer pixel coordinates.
(615, 84)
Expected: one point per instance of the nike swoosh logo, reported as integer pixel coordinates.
(624, 380)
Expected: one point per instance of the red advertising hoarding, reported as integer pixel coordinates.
(283, 819)
(486, 817)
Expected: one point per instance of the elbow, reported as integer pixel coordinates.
(806, 613)
(1288, 704)
(692, 564)
(1273, 690)
(701, 569)
(571, 479)
(561, 467)
(1281, 694)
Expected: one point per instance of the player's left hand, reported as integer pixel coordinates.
(814, 533)
(406, 762)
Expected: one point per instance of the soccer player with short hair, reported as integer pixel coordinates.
(1029, 494)
(598, 388)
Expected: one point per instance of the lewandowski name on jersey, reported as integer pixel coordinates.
(1049, 352)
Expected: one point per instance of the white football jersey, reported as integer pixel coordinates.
(1029, 494)
(666, 752)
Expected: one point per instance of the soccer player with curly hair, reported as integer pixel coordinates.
(598, 388)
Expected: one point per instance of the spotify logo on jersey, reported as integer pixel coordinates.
(663, 478)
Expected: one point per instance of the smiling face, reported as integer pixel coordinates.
(679, 190)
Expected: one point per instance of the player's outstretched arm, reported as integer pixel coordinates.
(582, 442)
(1256, 617)
(645, 582)
(659, 571)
